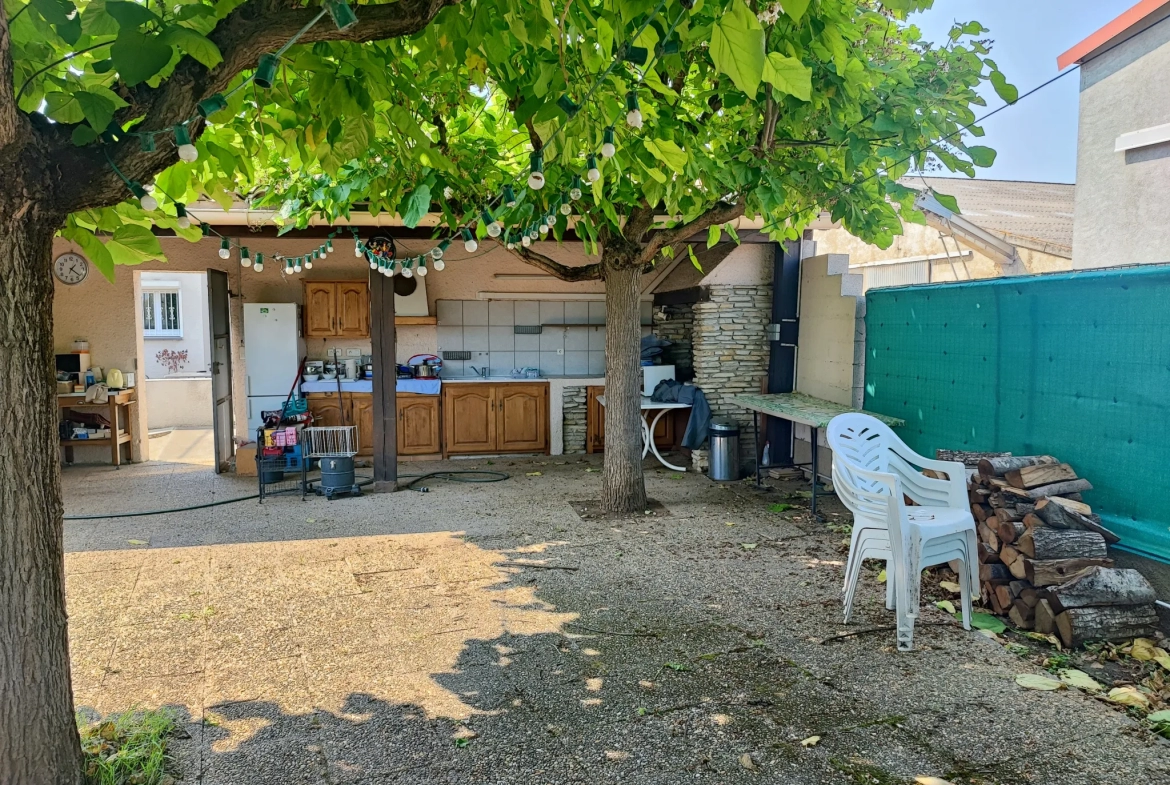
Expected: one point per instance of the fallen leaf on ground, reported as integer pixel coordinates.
(1128, 696)
(534, 474)
(811, 741)
(1076, 678)
(746, 761)
(951, 586)
(1147, 650)
(749, 546)
(310, 520)
(985, 621)
(138, 542)
(1160, 716)
(932, 781)
(647, 685)
(729, 523)
(947, 606)
(594, 684)
(590, 470)
(1033, 681)
(720, 719)
(616, 755)
(881, 578)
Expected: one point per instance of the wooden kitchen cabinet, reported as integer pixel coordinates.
(361, 414)
(664, 432)
(418, 424)
(495, 418)
(327, 409)
(336, 309)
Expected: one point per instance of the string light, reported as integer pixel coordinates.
(439, 264)
(438, 251)
(245, 259)
(536, 178)
(494, 227)
(566, 204)
(258, 265)
(309, 261)
(509, 196)
(406, 271)
(469, 243)
(422, 266)
(575, 189)
(608, 149)
(183, 221)
(594, 174)
(633, 112)
(187, 151)
(329, 245)
(297, 265)
(526, 241)
(265, 74)
(225, 249)
(148, 202)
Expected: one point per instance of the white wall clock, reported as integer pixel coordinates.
(71, 268)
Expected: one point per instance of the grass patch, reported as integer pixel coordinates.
(128, 749)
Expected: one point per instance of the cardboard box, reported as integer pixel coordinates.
(246, 460)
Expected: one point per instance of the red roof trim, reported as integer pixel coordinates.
(1117, 27)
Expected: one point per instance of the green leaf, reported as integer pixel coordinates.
(134, 244)
(417, 206)
(93, 248)
(130, 16)
(668, 152)
(1160, 716)
(948, 201)
(138, 57)
(788, 75)
(98, 109)
(83, 135)
(795, 9)
(694, 259)
(198, 46)
(730, 229)
(737, 47)
(714, 234)
(63, 107)
(605, 37)
(1076, 678)
(1003, 88)
(1033, 681)
(55, 12)
(981, 156)
(946, 605)
(985, 621)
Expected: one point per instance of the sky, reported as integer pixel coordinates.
(1037, 138)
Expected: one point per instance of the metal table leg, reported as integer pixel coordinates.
(756, 442)
(815, 439)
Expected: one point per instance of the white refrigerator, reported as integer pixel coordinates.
(272, 356)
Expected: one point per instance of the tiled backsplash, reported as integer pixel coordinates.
(572, 341)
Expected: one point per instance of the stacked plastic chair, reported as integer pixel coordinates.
(874, 473)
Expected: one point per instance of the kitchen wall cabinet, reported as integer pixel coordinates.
(664, 432)
(336, 309)
(495, 418)
(418, 424)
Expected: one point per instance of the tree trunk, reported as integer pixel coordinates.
(38, 736)
(623, 487)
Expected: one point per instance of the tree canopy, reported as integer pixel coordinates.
(776, 110)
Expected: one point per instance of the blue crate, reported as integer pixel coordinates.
(293, 458)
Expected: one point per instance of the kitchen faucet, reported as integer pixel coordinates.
(481, 372)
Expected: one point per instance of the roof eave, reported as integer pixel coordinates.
(1138, 18)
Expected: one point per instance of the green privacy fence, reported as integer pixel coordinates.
(1075, 365)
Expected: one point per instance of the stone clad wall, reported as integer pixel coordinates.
(575, 410)
(731, 355)
(675, 323)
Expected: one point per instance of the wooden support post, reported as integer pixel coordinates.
(383, 345)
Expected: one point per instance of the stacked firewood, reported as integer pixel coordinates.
(1043, 557)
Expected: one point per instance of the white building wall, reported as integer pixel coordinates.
(162, 355)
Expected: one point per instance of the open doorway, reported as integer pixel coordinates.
(177, 367)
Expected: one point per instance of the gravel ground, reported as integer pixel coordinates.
(654, 649)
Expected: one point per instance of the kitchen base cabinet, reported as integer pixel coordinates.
(418, 424)
(495, 418)
(361, 414)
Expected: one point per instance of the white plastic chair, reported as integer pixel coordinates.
(873, 471)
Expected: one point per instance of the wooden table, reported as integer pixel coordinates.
(806, 410)
(118, 401)
(648, 445)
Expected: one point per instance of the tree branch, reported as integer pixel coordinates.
(639, 222)
(252, 29)
(720, 213)
(571, 274)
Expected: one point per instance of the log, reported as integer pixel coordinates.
(987, 535)
(1008, 555)
(1044, 474)
(993, 601)
(1009, 531)
(1045, 544)
(1071, 504)
(1008, 514)
(998, 467)
(1101, 586)
(1018, 568)
(1025, 612)
(1030, 597)
(1072, 497)
(1013, 495)
(1032, 520)
(1023, 508)
(1080, 625)
(987, 554)
(968, 458)
(1003, 594)
(1045, 618)
(1059, 488)
(1017, 588)
(1059, 516)
(981, 512)
(1058, 571)
(994, 573)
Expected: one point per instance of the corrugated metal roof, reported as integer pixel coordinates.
(1023, 213)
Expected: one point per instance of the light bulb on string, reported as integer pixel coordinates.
(608, 149)
(469, 243)
(494, 227)
(187, 151)
(566, 207)
(297, 265)
(225, 249)
(633, 112)
(533, 232)
(422, 266)
(536, 177)
(440, 249)
(509, 196)
(183, 220)
(542, 229)
(288, 265)
(389, 270)
(309, 261)
(357, 248)
(406, 271)
(439, 265)
(258, 265)
(245, 259)
(526, 241)
(328, 246)
(594, 174)
(375, 262)
(508, 240)
(148, 202)
(575, 189)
